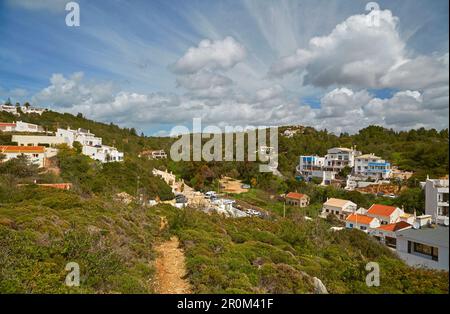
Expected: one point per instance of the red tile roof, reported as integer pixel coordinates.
(7, 124)
(381, 210)
(22, 149)
(295, 195)
(361, 219)
(395, 226)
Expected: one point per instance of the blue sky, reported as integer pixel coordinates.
(129, 62)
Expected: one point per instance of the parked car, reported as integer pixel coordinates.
(180, 198)
(245, 186)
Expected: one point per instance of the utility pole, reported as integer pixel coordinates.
(137, 188)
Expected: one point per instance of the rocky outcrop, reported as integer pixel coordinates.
(319, 287)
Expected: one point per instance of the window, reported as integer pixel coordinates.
(429, 251)
(363, 227)
(351, 225)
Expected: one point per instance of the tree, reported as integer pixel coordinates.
(345, 172)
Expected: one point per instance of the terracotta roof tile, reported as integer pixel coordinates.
(361, 219)
(22, 149)
(395, 226)
(295, 195)
(381, 210)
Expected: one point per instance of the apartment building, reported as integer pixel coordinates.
(436, 200)
(327, 167)
(338, 158)
(371, 166)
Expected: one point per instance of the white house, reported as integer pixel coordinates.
(371, 166)
(387, 234)
(9, 108)
(84, 137)
(426, 246)
(20, 126)
(91, 145)
(7, 126)
(385, 214)
(36, 154)
(153, 154)
(102, 153)
(361, 222)
(37, 140)
(436, 199)
(339, 207)
(32, 110)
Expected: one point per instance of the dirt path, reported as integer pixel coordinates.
(170, 266)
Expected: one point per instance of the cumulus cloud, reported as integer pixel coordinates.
(345, 69)
(341, 102)
(65, 92)
(344, 110)
(211, 54)
(269, 93)
(356, 52)
(359, 53)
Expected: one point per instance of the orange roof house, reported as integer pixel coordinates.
(297, 199)
(386, 214)
(381, 210)
(295, 195)
(360, 219)
(395, 226)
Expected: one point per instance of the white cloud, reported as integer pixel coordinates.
(341, 102)
(346, 110)
(360, 54)
(269, 93)
(217, 54)
(354, 53)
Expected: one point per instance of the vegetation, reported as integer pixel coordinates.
(42, 229)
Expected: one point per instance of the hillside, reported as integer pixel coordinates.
(42, 229)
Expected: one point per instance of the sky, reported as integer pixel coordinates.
(153, 65)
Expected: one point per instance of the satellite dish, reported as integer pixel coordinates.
(416, 225)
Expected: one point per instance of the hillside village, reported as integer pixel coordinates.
(419, 237)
